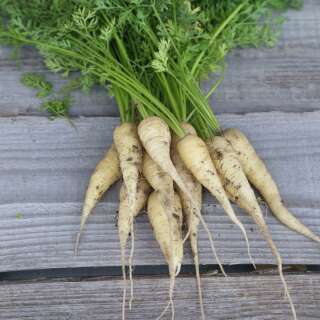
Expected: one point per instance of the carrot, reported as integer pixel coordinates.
(155, 136)
(130, 157)
(190, 214)
(172, 250)
(258, 175)
(195, 155)
(129, 150)
(124, 226)
(240, 191)
(162, 183)
(124, 218)
(192, 219)
(106, 173)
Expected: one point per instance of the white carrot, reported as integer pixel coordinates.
(258, 175)
(172, 250)
(192, 219)
(124, 226)
(239, 190)
(162, 183)
(191, 216)
(195, 155)
(106, 173)
(124, 218)
(129, 150)
(155, 136)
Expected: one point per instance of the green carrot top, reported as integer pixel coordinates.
(151, 55)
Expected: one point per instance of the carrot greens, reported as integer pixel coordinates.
(37, 81)
(150, 54)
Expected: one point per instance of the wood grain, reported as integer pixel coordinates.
(254, 297)
(285, 78)
(45, 166)
(50, 161)
(16, 99)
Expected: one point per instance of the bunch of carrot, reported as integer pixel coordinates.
(224, 165)
(169, 145)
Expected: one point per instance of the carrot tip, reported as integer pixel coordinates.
(178, 269)
(186, 237)
(76, 247)
(164, 311)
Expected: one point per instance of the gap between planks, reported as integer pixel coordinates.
(244, 297)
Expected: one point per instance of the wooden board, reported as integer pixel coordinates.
(51, 161)
(254, 297)
(45, 166)
(42, 235)
(284, 78)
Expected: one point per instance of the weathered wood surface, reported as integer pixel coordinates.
(285, 78)
(254, 297)
(51, 161)
(42, 235)
(45, 166)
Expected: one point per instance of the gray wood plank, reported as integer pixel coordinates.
(50, 161)
(42, 235)
(245, 297)
(285, 78)
(16, 99)
(45, 166)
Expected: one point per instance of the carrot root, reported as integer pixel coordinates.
(240, 191)
(106, 173)
(258, 174)
(200, 164)
(125, 227)
(172, 251)
(217, 148)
